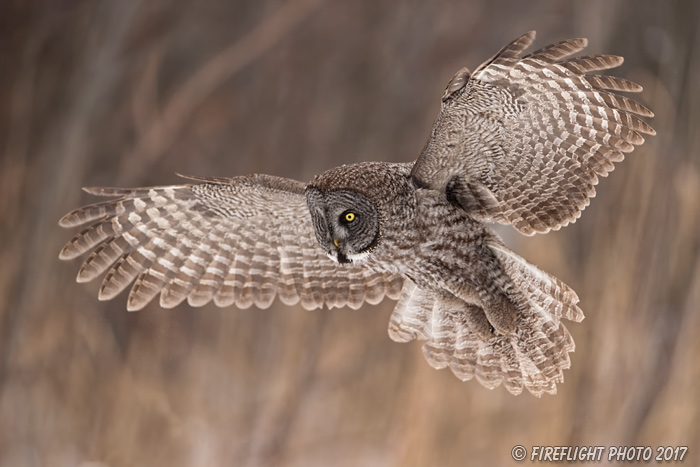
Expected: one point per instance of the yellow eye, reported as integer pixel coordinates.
(350, 216)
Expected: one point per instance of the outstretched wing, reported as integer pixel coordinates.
(524, 139)
(239, 241)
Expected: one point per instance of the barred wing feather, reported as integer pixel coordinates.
(240, 241)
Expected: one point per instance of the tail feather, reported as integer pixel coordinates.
(544, 290)
(534, 356)
(411, 315)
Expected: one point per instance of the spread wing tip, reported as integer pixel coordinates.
(199, 178)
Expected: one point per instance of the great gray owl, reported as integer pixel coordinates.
(520, 141)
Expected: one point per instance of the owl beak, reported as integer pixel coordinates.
(336, 243)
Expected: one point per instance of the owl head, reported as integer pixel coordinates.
(349, 206)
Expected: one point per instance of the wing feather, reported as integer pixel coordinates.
(524, 139)
(242, 241)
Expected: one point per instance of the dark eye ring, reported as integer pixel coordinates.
(348, 216)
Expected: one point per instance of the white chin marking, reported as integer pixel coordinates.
(356, 258)
(359, 257)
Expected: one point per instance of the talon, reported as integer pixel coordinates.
(478, 322)
(502, 315)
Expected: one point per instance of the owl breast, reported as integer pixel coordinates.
(444, 242)
(449, 257)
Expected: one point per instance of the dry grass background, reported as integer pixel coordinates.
(107, 92)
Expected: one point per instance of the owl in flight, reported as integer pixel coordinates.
(520, 141)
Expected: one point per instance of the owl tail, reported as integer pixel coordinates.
(533, 356)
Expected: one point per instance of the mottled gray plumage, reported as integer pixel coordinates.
(521, 141)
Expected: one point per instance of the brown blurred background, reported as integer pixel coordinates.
(128, 92)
